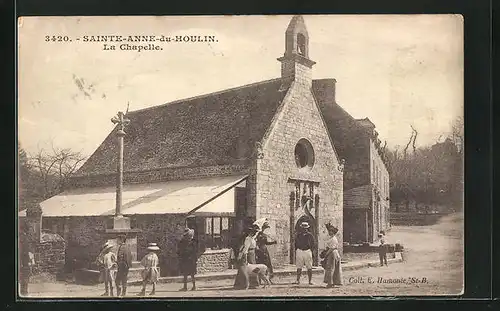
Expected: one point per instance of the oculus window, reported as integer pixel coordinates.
(304, 154)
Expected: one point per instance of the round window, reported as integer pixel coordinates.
(304, 154)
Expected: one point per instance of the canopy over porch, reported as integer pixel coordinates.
(200, 197)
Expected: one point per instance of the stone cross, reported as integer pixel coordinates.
(121, 121)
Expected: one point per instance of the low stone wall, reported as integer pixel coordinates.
(213, 261)
(366, 248)
(414, 219)
(50, 254)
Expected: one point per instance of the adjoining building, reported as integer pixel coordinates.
(366, 178)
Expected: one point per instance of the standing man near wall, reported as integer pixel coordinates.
(25, 260)
(304, 244)
(124, 261)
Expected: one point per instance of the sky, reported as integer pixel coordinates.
(397, 70)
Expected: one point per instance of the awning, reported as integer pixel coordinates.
(204, 196)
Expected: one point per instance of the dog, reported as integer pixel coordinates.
(260, 271)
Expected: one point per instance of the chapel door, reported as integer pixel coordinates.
(314, 231)
(304, 205)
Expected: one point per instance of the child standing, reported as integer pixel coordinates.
(382, 251)
(150, 273)
(107, 259)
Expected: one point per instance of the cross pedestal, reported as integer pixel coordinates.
(121, 225)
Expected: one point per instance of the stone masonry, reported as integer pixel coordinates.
(213, 261)
(381, 197)
(165, 230)
(299, 118)
(83, 232)
(49, 254)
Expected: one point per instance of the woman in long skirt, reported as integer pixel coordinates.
(246, 255)
(333, 269)
(241, 280)
(187, 253)
(262, 251)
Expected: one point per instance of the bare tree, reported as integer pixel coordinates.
(414, 138)
(67, 161)
(55, 167)
(408, 144)
(457, 134)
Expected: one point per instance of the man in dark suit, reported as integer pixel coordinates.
(124, 261)
(24, 261)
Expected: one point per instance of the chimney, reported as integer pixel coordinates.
(324, 89)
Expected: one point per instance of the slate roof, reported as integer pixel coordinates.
(215, 129)
(341, 125)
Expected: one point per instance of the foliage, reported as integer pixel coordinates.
(428, 175)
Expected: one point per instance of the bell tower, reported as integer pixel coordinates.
(295, 63)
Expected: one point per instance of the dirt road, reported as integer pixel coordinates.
(433, 266)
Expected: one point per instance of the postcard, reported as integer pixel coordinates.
(240, 156)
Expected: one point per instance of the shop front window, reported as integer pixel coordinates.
(217, 232)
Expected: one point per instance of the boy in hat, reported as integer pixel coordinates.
(304, 243)
(107, 260)
(124, 262)
(382, 250)
(150, 272)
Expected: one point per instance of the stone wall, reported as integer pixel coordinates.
(165, 230)
(84, 237)
(357, 166)
(355, 225)
(213, 261)
(50, 254)
(298, 118)
(381, 197)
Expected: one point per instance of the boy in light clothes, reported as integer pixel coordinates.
(107, 259)
(150, 272)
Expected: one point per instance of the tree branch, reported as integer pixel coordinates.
(414, 138)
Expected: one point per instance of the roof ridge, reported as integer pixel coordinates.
(208, 94)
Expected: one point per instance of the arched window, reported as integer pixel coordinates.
(301, 44)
